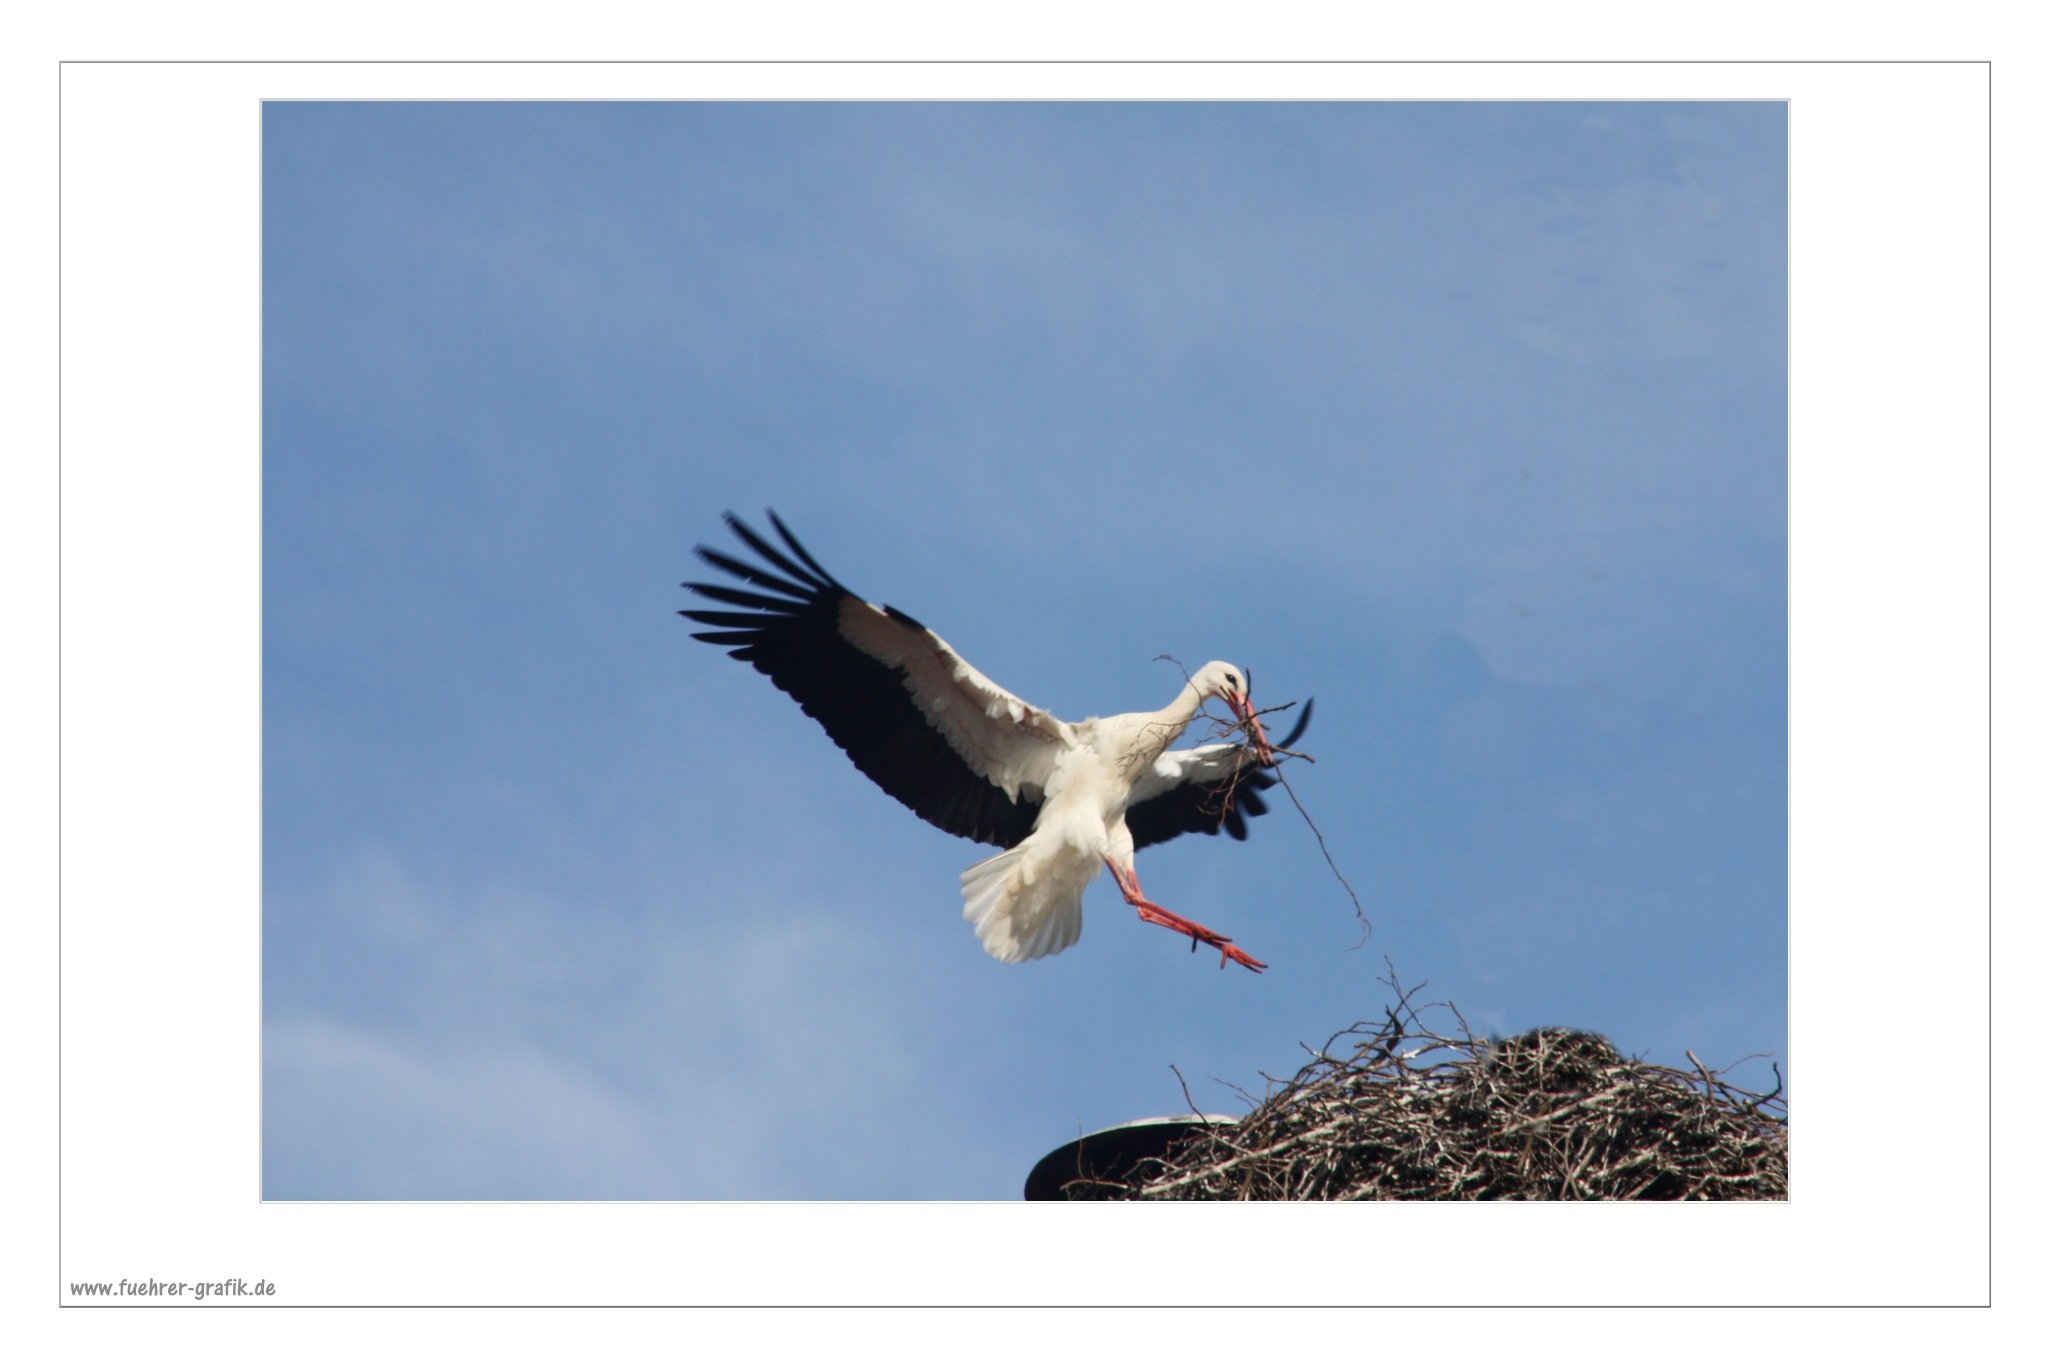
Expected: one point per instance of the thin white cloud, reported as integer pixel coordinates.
(352, 1114)
(495, 1042)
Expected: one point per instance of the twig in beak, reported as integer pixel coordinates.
(1248, 722)
(1241, 706)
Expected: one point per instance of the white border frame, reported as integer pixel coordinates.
(1889, 769)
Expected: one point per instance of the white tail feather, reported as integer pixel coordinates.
(1025, 902)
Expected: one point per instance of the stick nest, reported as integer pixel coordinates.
(1401, 1111)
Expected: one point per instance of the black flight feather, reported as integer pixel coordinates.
(865, 705)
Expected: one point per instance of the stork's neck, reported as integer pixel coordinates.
(1164, 726)
(1177, 713)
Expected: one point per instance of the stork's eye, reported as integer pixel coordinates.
(1231, 678)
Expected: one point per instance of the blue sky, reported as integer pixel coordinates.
(1468, 420)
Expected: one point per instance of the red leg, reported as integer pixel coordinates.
(1153, 913)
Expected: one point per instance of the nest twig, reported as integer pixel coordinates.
(1402, 1110)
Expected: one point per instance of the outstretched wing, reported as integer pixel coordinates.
(917, 718)
(1207, 790)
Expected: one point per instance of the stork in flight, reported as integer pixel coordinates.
(1062, 799)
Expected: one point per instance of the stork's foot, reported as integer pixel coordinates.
(1153, 913)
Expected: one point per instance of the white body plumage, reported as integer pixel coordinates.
(1062, 799)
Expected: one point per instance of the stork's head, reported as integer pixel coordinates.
(1228, 681)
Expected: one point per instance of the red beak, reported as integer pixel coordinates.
(1241, 707)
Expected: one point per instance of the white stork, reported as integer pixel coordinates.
(1062, 799)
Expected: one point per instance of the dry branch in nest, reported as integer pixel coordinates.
(1403, 1111)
